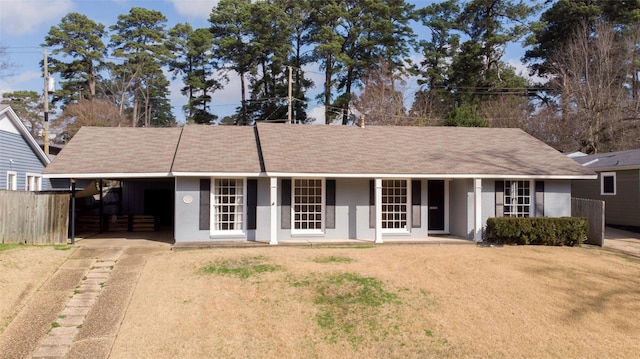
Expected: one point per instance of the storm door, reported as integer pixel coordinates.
(436, 205)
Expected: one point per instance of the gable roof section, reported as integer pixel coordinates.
(114, 152)
(22, 130)
(611, 161)
(214, 150)
(308, 150)
(388, 151)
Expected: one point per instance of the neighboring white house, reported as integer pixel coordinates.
(278, 182)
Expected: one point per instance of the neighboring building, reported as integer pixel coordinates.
(21, 158)
(279, 182)
(618, 184)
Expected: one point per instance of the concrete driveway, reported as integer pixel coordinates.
(622, 241)
(78, 311)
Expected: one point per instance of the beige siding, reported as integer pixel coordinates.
(623, 208)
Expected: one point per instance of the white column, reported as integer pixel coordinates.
(447, 183)
(378, 196)
(273, 199)
(477, 209)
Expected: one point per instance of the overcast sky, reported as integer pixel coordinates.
(25, 23)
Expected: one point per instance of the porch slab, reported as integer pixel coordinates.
(432, 240)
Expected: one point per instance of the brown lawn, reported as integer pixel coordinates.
(23, 269)
(389, 301)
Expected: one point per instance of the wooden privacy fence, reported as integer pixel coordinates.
(594, 211)
(33, 218)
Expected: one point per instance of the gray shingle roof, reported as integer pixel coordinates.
(629, 159)
(217, 149)
(114, 150)
(410, 150)
(308, 149)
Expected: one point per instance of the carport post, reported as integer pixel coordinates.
(477, 210)
(273, 196)
(101, 210)
(378, 204)
(73, 211)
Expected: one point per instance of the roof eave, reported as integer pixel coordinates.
(218, 174)
(109, 175)
(615, 168)
(433, 175)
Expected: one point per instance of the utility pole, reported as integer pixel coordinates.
(290, 95)
(46, 105)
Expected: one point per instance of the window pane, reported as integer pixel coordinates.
(394, 207)
(307, 204)
(228, 204)
(608, 184)
(517, 198)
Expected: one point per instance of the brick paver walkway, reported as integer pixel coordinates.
(59, 338)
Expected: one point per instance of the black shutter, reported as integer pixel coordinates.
(499, 198)
(252, 202)
(539, 199)
(416, 201)
(330, 207)
(285, 208)
(372, 204)
(205, 202)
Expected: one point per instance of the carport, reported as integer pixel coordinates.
(124, 205)
(123, 177)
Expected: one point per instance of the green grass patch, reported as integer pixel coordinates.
(332, 259)
(242, 267)
(61, 247)
(53, 325)
(7, 246)
(350, 307)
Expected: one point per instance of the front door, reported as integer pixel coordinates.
(436, 205)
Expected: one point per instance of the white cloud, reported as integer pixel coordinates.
(19, 81)
(22, 17)
(522, 70)
(194, 8)
(317, 113)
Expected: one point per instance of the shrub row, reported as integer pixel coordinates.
(567, 231)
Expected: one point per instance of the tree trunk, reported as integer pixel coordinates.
(345, 106)
(243, 111)
(327, 88)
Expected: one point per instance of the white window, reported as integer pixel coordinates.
(395, 205)
(308, 204)
(33, 182)
(517, 198)
(228, 205)
(608, 183)
(12, 181)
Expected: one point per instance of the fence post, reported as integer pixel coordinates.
(593, 210)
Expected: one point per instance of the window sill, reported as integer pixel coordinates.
(396, 233)
(228, 236)
(307, 234)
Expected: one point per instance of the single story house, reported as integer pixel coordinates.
(277, 182)
(617, 184)
(21, 158)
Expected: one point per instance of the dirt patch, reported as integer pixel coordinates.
(23, 270)
(428, 301)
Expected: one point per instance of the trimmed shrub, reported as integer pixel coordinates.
(564, 231)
